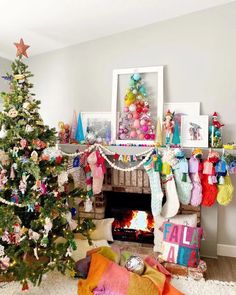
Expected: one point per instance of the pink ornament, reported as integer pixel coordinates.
(138, 131)
(126, 130)
(122, 136)
(136, 123)
(142, 122)
(145, 109)
(147, 136)
(132, 108)
(133, 134)
(152, 136)
(130, 116)
(135, 115)
(145, 128)
(141, 136)
(126, 109)
(23, 143)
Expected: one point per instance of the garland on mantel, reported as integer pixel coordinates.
(102, 149)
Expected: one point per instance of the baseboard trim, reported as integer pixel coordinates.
(226, 250)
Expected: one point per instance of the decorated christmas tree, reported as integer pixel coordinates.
(34, 208)
(135, 121)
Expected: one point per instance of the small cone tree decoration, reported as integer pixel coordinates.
(176, 137)
(135, 121)
(34, 208)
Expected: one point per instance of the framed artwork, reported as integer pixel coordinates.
(97, 126)
(137, 104)
(194, 130)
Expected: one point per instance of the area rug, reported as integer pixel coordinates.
(56, 284)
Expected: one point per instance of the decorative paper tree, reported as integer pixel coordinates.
(135, 120)
(176, 138)
(33, 199)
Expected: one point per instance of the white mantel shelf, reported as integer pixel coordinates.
(132, 150)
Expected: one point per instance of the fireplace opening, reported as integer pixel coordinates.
(132, 213)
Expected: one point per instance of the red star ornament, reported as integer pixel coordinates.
(21, 48)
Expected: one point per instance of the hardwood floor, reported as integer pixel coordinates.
(222, 268)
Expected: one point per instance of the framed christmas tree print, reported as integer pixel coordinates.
(137, 104)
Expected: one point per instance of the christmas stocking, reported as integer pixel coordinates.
(156, 191)
(183, 181)
(209, 187)
(196, 195)
(171, 205)
(97, 172)
(225, 191)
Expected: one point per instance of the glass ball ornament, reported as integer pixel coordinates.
(73, 211)
(142, 122)
(135, 264)
(136, 123)
(122, 136)
(135, 91)
(152, 136)
(141, 136)
(147, 136)
(135, 115)
(133, 134)
(145, 128)
(136, 77)
(130, 116)
(126, 109)
(132, 108)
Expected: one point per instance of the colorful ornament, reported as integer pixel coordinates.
(12, 113)
(28, 128)
(3, 132)
(34, 156)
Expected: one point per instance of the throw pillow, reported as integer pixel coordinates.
(184, 219)
(103, 230)
(181, 244)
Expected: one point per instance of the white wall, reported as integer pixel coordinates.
(4, 68)
(199, 54)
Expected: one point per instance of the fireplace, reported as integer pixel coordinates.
(132, 213)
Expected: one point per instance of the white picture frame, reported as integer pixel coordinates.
(100, 122)
(158, 70)
(195, 131)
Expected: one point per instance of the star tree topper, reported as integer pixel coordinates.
(21, 48)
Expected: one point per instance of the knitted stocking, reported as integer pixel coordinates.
(171, 205)
(156, 191)
(209, 187)
(184, 187)
(225, 193)
(97, 172)
(194, 169)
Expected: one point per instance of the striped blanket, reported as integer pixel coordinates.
(105, 277)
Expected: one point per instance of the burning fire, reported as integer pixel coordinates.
(140, 220)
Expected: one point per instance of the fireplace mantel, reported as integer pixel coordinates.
(209, 216)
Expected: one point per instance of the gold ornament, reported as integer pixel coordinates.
(34, 156)
(19, 77)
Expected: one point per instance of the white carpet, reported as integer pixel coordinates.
(56, 284)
